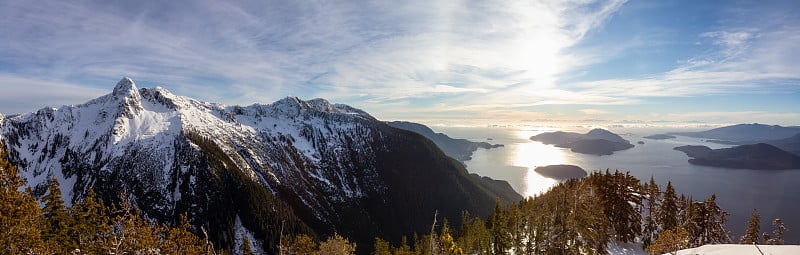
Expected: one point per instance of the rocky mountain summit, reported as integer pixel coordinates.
(292, 166)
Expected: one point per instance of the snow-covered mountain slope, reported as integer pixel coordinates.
(337, 167)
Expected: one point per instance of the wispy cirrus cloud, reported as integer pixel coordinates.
(757, 59)
(29, 93)
(260, 51)
(429, 59)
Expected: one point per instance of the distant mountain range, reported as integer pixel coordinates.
(459, 149)
(596, 141)
(294, 166)
(752, 156)
(744, 133)
(791, 144)
(760, 147)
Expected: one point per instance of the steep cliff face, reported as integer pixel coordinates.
(314, 164)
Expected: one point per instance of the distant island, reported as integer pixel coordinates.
(561, 172)
(596, 142)
(753, 156)
(660, 137)
(785, 138)
(459, 149)
(791, 144)
(744, 133)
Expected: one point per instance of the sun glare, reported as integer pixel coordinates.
(533, 154)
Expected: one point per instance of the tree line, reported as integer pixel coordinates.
(88, 227)
(579, 216)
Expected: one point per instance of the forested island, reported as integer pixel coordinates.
(596, 142)
(660, 137)
(561, 172)
(752, 156)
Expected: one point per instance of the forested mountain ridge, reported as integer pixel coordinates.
(459, 149)
(293, 166)
(751, 156)
(581, 216)
(745, 132)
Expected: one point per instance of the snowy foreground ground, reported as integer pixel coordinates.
(626, 249)
(717, 249)
(738, 249)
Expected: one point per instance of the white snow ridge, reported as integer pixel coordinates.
(144, 141)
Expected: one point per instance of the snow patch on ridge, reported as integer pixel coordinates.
(241, 233)
(134, 132)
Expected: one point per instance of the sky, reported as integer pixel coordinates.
(443, 62)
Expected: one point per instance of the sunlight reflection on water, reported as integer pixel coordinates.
(774, 193)
(531, 155)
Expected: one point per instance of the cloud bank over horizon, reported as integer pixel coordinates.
(446, 61)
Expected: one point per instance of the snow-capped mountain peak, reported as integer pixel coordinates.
(294, 105)
(125, 87)
(144, 125)
(334, 164)
(128, 97)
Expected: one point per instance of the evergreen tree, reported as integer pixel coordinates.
(668, 212)
(670, 241)
(515, 224)
(652, 197)
(557, 234)
(180, 240)
(336, 245)
(91, 225)
(382, 247)
(589, 223)
(474, 237)
(420, 247)
(620, 197)
(683, 205)
(531, 221)
(777, 233)
(132, 233)
(246, 249)
(716, 220)
(298, 245)
(500, 234)
(694, 222)
(404, 248)
(447, 245)
(56, 231)
(753, 228)
(20, 216)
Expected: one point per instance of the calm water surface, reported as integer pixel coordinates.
(776, 194)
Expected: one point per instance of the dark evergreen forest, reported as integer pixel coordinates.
(579, 216)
